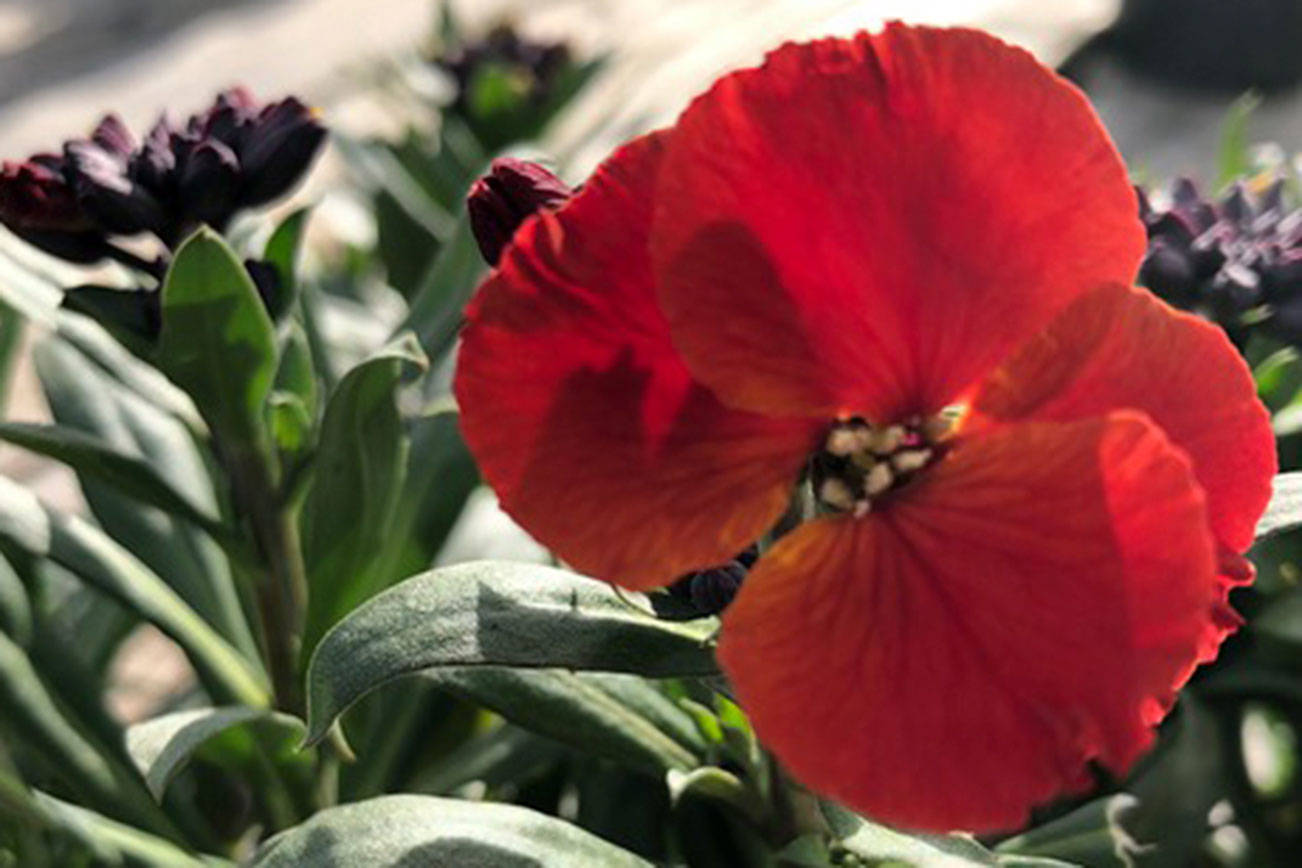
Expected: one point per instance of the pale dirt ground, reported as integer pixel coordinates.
(64, 62)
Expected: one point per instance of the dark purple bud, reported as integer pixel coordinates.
(277, 149)
(1168, 271)
(113, 136)
(1237, 287)
(154, 163)
(1236, 205)
(713, 590)
(38, 205)
(208, 185)
(116, 202)
(511, 192)
(34, 196)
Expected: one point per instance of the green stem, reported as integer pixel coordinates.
(282, 592)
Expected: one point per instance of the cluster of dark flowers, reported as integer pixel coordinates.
(236, 154)
(1236, 260)
(533, 67)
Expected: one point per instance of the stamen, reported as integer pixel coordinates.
(878, 480)
(836, 493)
(910, 460)
(859, 463)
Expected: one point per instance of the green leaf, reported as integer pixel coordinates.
(11, 334)
(427, 830)
(601, 715)
(217, 341)
(496, 614)
(84, 396)
(1093, 835)
(880, 844)
(93, 457)
(36, 719)
(87, 768)
(1234, 160)
(441, 474)
(445, 288)
(282, 252)
(15, 608)
(113, 360)
(1284, 512)
(161, 747)
(114, 843)
(296, 374)
(95, 558)
(350, 510)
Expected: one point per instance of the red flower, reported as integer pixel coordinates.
(822, 257)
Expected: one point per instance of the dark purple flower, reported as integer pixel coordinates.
(1236, 260)
(535, 65)
(511, 192)
(38, 205)
(236, 154)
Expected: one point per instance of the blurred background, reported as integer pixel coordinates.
(1179, 83)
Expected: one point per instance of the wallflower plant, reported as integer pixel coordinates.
(879, 507)
(893, 270)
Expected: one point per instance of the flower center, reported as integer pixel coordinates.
(860, 464)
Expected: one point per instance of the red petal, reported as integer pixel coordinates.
(1124, 348)
(957, 657)
(869, 225)
(581, 414)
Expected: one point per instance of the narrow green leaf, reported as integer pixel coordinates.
(97, 345)
(71, 542)
(1233, 159)
(15, 608)
(1092, 835)
(350, 511)
(35, 716)
(1284, 512)
(161, 747)
(427, 830)
(87, 768)
(441, 474)
(282, 251)
(296, 374)
(443, 291)
(217, 341)
(497, 614)
(577, 710)
(116, 843)
(879, 844)
(11, 334)
(89, 455)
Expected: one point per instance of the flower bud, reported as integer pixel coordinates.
(511, 192)
(38, 205)
(277, 150)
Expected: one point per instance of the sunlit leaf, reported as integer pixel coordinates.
(161, 747)
(95, 558)
(217, 341)
(618, 717)
(1285, 508)
(496, 614)
(427, 830)
(350, 511)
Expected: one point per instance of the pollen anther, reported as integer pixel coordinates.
(860, 463)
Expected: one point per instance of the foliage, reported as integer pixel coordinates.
(278, 501)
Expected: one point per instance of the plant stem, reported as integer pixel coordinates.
(282, 592)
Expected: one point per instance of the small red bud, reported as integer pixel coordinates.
(511, 192)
